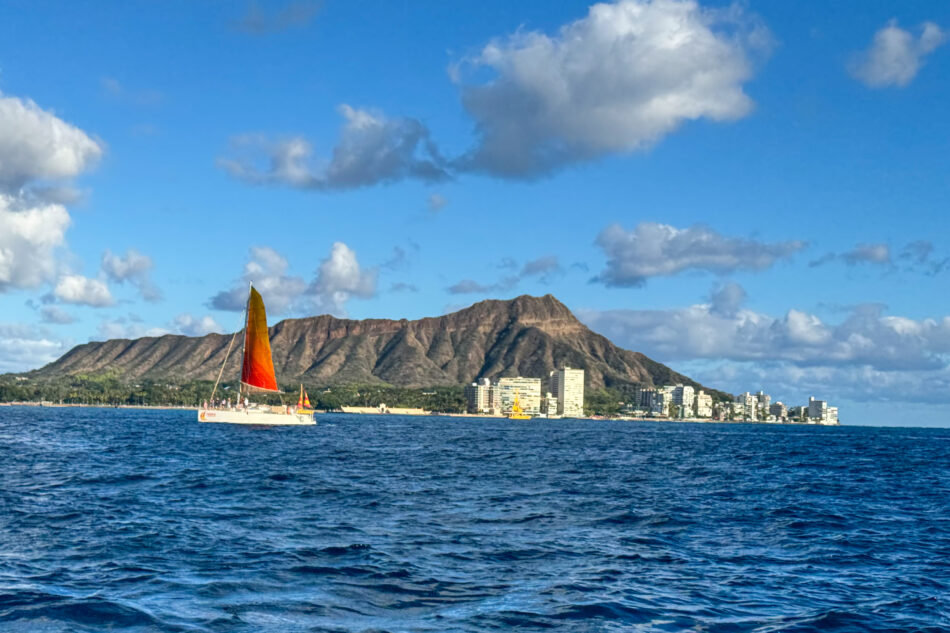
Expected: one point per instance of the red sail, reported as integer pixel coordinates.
(258, 368)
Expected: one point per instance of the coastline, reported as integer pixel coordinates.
(414, 413)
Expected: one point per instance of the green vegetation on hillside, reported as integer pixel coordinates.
(107, 389)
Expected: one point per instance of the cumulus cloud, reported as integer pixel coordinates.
(267, 270)
(617, 80)
(727, 299)
(896, 55)
(25, 347)
(37, 149)
(339, 278)
(654, 250)
(134, 268)
(861, 383)
(37, 145)
(722, 329)
(195, 326)
(372, 149)
(55, 314)
(30, 238)
(259, 21)
(81, 290)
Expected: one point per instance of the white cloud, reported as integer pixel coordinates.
(866, 337)
(30, 238)
(135, 268)
(55, 314)
(868, 253)
(37, 149)
(867, 356)
(339, 278)
(122, 328)
(653, 250)
(267, 270)
(617, 80)
(194, 326)
(896, 55)
(914, 257)
(25, 347)
(83, 291)
(469, 286)
(859, 384)
(544, 267)
(372, 149)
(36, 145)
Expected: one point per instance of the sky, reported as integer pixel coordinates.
(753, 193)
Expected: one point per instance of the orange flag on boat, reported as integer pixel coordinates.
(258, 368)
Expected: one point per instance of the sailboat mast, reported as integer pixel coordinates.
(247, 306)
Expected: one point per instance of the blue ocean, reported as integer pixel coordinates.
(122, 520)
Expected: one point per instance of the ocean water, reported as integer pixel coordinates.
(149, 521)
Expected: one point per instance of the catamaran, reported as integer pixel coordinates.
(257, 376)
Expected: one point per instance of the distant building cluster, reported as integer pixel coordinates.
(560, 395)
(686, 402)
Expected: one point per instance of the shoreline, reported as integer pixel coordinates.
(158, 407)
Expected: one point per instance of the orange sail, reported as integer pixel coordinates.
(300, 399)
(258, 368)
(306, 400)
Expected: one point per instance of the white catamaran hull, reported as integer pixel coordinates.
(265, 418)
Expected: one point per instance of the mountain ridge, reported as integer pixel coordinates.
(527, 336)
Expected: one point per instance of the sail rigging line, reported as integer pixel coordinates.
(228, 353)
(221, 371)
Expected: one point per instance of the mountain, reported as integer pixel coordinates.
(526, 336)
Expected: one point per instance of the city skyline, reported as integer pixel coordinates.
(752, 194)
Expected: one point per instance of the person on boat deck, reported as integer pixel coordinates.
(245, 402)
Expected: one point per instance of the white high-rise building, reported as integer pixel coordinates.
(568, 386)
(750, 405)
(779, 411)
(478, 395)
(704, 405)
(683, 398)
(817, 409)
(527, 390)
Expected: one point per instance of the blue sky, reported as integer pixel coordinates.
(752, 193)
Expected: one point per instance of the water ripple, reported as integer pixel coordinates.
(148, 521)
